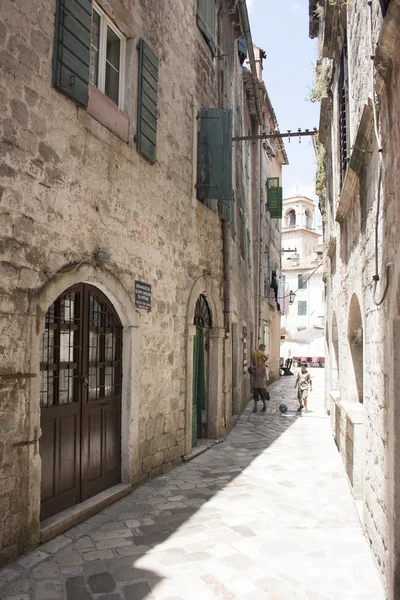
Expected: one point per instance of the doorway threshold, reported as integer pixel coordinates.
(203, 444)
(66, 519)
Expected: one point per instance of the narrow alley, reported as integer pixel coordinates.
(267, 514)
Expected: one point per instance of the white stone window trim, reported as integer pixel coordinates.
(105, 22)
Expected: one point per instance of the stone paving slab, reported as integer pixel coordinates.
(266, 515)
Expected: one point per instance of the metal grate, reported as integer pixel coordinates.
(60, 352)
(343, 113)
(105, 351)
(202, 313)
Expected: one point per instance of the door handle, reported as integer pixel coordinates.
(85, 380)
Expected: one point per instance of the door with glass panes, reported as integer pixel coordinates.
(80, 398)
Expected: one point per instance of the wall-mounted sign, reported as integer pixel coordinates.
(143, 295)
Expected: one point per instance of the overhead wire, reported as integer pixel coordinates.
(376, 277)
(304, 282)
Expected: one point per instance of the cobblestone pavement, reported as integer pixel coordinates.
(266, 515)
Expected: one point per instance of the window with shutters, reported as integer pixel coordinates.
(302, 282)
(274, 197)
(206, 22)
(343, 90)
(89, 62)
(107, 57)
(214, 165)
(147, 114)
(302, 307)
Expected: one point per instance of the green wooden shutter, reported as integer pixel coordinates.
(71, 58)
(274, 197)
(206, 17)
(146, 136)
(215, 158)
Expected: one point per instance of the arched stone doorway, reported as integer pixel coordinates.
(203, 322)
(40, 302)
(80, 398)
(205, 336)
(356, 346)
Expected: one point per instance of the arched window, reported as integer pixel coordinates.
(202, 313)
(308, 217)
(291, 218)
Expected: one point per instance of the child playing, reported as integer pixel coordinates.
(259, 390)
(304, 383)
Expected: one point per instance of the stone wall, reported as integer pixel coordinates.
(68, 187)
(351, 267)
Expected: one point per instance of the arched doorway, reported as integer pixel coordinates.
(80, 398)
(203, 322)
(356, 344)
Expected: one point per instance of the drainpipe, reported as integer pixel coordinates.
(227, 274)
(260, 278)
(226, 254)
(247, 34)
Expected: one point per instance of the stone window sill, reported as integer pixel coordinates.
(107, 113)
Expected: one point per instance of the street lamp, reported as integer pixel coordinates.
(292, 296)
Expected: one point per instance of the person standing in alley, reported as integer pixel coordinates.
(303, 384)
(260, 353)
(259, 389)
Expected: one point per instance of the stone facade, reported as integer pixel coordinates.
(359, 129)
(72, 185)
(300, 232)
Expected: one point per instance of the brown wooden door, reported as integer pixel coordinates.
(80, 397)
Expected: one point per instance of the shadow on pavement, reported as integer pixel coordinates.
(100, 556)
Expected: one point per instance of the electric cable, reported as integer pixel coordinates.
(309, 277)
(376, 277)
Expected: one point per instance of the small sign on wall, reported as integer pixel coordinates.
(143, 295)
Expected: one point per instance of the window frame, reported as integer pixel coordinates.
(303, 304)
(105, 22)
(303, 278)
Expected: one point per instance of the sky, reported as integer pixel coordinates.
(280, 27)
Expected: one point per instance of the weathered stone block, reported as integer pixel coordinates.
(158, 459)
(155, 472)
(170, 454)
(147, 464)
(166, 441)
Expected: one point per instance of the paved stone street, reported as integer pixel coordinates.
(266, 515)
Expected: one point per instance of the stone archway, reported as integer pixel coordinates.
(355, 380)
(129, 319)
(215, 425)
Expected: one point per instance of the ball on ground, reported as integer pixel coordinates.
(283, 408)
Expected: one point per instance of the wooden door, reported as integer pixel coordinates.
(80, 399)
(101, 408)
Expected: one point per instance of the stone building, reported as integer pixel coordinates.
(303, 318)
(130, 236)
(357, 83)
